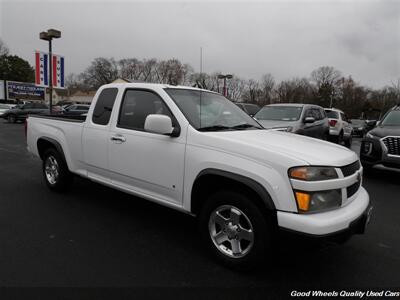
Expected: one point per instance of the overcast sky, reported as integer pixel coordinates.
(284, 38)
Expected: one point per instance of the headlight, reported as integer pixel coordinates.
(313, 173)
(288, 129)
(318, 201)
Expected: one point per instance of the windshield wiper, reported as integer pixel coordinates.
(222, 127)
(244, 126)
(214, 128)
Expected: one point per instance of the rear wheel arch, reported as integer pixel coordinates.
(45, 143)
(212, 180)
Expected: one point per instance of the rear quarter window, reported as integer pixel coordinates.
(104, 105)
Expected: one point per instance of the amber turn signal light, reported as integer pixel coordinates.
(299, 173)
(303, 201)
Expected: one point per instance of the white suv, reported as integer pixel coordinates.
(340, 129)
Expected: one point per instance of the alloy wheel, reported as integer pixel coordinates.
(231, 231)
(51, 170)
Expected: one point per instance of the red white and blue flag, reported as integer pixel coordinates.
(58, 71)
(42, 70)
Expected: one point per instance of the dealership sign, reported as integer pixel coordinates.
(42, 70)
(23, 90)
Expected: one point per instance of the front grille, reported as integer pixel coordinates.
(351, 190)
(392, 144)
(350, 169)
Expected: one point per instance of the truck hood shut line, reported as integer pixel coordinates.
(261, 144)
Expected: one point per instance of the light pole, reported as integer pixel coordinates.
(49, 35)
(224, 77)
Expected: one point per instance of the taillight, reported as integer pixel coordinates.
(332, 123)
(26, 127)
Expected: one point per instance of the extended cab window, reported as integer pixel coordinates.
(104, 105)
(137, 105)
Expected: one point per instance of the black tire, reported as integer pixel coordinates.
(12, 118)
(339, 138)
(62, 181)
(348, 142)
(367, 169)
(325, 136)
(262, 223)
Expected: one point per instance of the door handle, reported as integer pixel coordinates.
(118, 138)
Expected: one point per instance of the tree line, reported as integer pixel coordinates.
(325, 86)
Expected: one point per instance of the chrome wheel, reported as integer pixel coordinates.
(51, 170)
(231, 231)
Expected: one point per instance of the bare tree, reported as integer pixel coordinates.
(101, 71)
(236, 87)
(296, 90)
(130, 68)
(205, 81)
(148, 70)
(171, 71)
(395, 88)
(187, 73)
(327, 80)
(3, 48)
(267, 85)
(325, 76)
(253, 92)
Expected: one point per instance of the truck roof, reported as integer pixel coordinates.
(154, 85)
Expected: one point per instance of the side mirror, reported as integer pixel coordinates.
(160, 124)
(309, 120)
(377, 123)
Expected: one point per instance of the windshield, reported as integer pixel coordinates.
(331, 114)
(357, 122)
(392, 119)
(252, 109)
(210, 111)
(279, 113)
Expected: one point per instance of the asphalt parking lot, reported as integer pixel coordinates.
(95, 236)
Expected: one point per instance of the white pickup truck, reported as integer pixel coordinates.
(195, 151)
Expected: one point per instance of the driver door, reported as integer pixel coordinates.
(146, 163)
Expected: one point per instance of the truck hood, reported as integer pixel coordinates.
(268, 145)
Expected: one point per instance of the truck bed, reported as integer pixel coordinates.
(61, 117)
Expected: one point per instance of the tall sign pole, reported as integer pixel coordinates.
(5, 90)
(50, 77)
(49, 35)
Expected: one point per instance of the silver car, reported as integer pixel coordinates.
(304, 119)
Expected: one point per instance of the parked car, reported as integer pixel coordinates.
(20, 112)
(4, 108)
(250, 108)
(242, 182)
(381, 145)
(340, 129)
(359, 127)
(304, 119)
(76, 109)
(370, 124)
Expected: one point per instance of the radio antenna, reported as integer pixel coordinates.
(201, 80)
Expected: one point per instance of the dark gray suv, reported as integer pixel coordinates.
(304, 119)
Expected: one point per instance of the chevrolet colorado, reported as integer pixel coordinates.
(195, 151)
